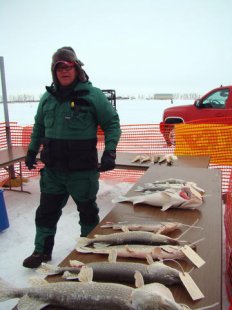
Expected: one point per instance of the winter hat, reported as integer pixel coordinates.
(67, 53)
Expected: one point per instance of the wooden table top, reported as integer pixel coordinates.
(11, 155)
(123, 161)
(18, 153)
(209, 277)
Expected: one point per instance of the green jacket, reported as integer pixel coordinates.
(73, 123)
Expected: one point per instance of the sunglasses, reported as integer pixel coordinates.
(61, 68)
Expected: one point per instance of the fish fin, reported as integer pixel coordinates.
(128, 249)
(166, 206)
(121, 199)
(48, 269)
(112, 258)
(6, 290)
(139, 282)
(37, 281)
(67, 275)
(157, 252)
(86, 274)
(149, 259)
(83, 249)
(83, 241)
(26, 303)
(76, 263)
(124, 228)
(107, 225)
(136, 158)
(100, 245)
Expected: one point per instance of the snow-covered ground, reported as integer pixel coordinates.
(16, 242)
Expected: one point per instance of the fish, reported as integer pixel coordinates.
(137, 251)
(154, 271)
(129, 237)
(153, 296)
(168, 184)
(162, 185)
(92, 295)
(154, 159)
(159, 227)
(168, 158)
(71, 295)
(186, 198)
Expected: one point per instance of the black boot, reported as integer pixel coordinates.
(36, 259)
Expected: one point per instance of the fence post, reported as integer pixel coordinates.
(4, 98)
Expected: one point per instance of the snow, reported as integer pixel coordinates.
(17, 241)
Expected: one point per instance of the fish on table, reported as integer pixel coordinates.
(155, 227)
(137, 251)
(115, 271)
(129, 237)
(89, 295)
(185, 198)
(153, 159)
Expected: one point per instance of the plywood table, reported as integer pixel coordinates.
(209, 277)
(123, 161)
(10, 156)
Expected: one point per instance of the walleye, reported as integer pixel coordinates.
(186, 198)
(93, 295)
(117, 271)
(129, 237)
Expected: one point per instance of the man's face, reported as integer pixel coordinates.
(66, 73)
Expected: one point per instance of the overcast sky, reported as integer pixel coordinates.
(132, 46)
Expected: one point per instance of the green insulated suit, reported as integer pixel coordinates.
(67, 130)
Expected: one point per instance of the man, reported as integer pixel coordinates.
(66, 124)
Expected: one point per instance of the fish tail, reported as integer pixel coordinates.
(83, 241)
(48, 269)
(7, 291)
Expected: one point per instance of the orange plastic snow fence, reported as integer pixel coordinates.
(214, 140)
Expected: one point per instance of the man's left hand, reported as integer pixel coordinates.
(107, 161)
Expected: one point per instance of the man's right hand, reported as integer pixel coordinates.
(30, 160)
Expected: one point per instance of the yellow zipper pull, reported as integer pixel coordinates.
(72, 104)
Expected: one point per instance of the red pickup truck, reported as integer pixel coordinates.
(214, 104)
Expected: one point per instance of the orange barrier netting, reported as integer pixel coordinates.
(214, 140)
(211, 137)
(191, 139)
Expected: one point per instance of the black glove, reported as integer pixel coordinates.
(107, 161)
(30, 160)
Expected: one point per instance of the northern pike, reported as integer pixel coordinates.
(92, 295)
(117, 271)
(129, 237)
